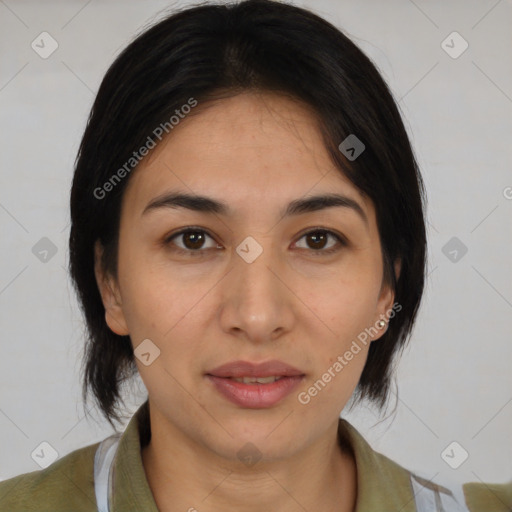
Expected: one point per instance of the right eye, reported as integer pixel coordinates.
(192, 239)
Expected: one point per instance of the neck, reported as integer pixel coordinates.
(183, 475)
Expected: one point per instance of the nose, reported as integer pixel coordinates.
(257, 303)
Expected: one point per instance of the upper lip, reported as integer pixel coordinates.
(248, 369)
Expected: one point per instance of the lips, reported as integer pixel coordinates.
(257, 388)
(239, 369)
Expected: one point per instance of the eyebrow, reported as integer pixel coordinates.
(206, 204)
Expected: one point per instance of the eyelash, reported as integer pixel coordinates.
(199, 252)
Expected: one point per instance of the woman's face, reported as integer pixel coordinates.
(249, 283)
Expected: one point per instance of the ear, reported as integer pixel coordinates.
(110, 295)
(385, 304)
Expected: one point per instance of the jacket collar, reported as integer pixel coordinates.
(131, 488)
(382, 485)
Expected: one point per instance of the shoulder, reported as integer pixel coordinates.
(67, 484)
(462, 497)
(451, 495)
(383, 484)
(487, 497)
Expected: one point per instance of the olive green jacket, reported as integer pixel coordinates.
(67, 485)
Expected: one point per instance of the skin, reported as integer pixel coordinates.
(256, 152)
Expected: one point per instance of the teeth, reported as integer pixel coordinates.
(256, 380)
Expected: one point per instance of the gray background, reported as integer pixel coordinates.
(454, 381)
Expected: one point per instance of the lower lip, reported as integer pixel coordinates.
(256, 396)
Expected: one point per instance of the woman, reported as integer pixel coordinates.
(248, 234)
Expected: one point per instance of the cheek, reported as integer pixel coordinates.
(148, 294)
(343, 309)
(345, 306)
(338, 368)
(147, 307)
(163, 309)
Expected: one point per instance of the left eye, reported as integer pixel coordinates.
(319, 238)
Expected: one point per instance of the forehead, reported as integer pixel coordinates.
(248, 148)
